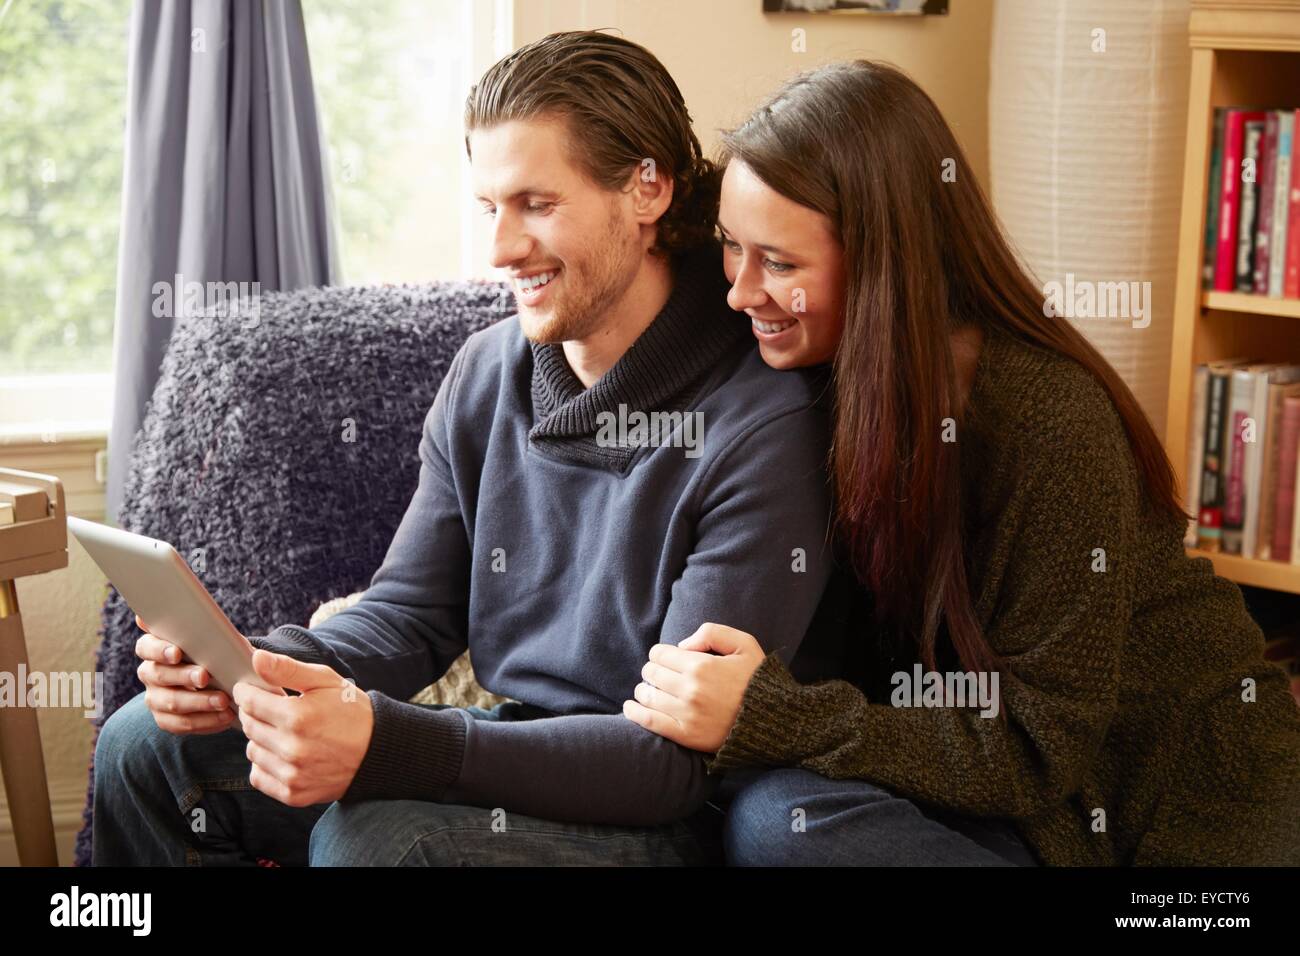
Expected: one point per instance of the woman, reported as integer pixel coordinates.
(1013, 517)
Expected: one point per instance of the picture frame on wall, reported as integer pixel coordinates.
(928, 8)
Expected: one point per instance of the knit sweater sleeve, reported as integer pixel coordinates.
(1057, 618)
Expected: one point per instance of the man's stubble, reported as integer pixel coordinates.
(593, 286)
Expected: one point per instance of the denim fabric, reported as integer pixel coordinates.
(170, 800)
(794, 817)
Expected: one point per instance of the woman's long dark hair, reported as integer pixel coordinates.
(924, 255)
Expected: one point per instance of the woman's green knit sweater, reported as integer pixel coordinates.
(1143, 724)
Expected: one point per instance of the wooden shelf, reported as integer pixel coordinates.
(1255, 304)
(1260, 574)
(1244, 53)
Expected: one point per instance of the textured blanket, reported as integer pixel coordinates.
(280, 449)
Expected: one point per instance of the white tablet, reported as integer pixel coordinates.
(162, 589)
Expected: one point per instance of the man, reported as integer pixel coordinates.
(556, 547)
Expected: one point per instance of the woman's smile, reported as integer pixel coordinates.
(772, 331)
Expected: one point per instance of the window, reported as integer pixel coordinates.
(62, 112)
(391, 78)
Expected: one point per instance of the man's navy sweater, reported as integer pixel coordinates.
(558, 561)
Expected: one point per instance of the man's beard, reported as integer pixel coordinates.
(589, 288)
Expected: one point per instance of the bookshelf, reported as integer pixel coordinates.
(1244, 53)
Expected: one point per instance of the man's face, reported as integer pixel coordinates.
(550, 221)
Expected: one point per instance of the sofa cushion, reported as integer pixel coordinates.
(457, 687)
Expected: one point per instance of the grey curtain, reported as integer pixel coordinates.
(226, 178)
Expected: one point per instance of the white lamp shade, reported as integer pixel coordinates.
(1086, 155)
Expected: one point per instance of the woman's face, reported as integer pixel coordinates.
(786, 270)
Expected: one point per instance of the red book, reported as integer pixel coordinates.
(1289, 436)
(1234, 136)
(1291, 289)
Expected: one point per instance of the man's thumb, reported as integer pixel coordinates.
(280, 670)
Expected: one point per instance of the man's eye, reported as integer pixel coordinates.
(488, 210)
(540, 206)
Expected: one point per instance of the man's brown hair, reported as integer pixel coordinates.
(621, 107)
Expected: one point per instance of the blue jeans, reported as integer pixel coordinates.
(794, 817)
(168, 800)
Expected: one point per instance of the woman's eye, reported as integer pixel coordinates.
(772, 264)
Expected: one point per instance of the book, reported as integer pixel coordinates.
(1291, 280)
(1212, 206)
(1264, 215)
(1209, 521)
(1264, 375)
(1195, 453)
(1283, 382)
(1252, 146)
(1234, 133)
(1289, 435)
(1295, 517)
(1241, 402)
(1281, 202)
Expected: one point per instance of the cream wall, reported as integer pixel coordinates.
(727, 54)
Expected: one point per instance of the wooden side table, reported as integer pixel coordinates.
(33, 539)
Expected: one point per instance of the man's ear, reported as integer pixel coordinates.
(652, 192)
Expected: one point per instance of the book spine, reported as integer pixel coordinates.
(1212, 203)
(1264, 215)
(1210, 520)
(1291, 285)
(1196, 452)
(1277, 390)
(1295, 517)
(1225, 259)
(1255, 463)
(1286, 485)
(1249, 213)
(1281, 198)
(1240, 403)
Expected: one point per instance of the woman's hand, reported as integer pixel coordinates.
(692, 696)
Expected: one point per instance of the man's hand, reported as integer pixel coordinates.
(306, 749)
(172, 691)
